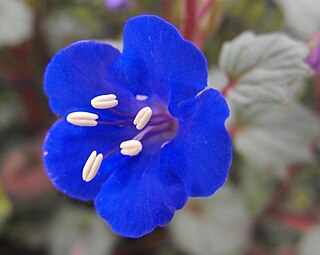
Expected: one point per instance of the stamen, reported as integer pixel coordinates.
(92, 166)
(85, 119)
(142, 118)
(131, 147)
(104, 101)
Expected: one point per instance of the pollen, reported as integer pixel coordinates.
(131, 147)
(92, 166)
(142, 118)
(104, 101)
(85, 119)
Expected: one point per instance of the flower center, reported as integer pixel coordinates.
(155, 125)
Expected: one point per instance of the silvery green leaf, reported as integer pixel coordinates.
(309, 243)
(257, 189)
(10, 108)
(218, 225)
(217, 78)
(16, 22)
(75, 229)
(274, 136)
(70, 24)
(263, 66)
(301, 16)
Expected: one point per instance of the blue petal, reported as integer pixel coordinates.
(157, 60)
(201, 153)
(67, 148)
(140, 196)
(80, 72)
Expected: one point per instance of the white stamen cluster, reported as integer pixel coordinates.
(104, 101)
(85, 119)
(92, 166)
(142, 118)
(131, 147)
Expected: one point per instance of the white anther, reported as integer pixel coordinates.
(83, 119)
(142, 118)
(104, 101)
(131, 147)
(92, 166)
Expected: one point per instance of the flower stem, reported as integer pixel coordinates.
(166, 9)
(204, 9)
(189, 23)
(227, 88)
(283, 188)
(300, 223)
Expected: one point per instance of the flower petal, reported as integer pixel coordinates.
(157, 60)
(66, 150)
(79, 73)
(140, 196)
(201, 153)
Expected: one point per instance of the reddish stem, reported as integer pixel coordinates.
(189, 23)
(166, 9)
(297, 222)
(204, 9)
(230, 86)
(283, 188)
(199, 41)
(234, 130)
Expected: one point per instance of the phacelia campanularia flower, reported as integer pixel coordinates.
(138, 133)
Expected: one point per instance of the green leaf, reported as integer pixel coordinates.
(309, 243)
(256, 189)
(75, 230)
(5, 207)
(275, 136)
(218, 225)
(262, 66)
(301, 16)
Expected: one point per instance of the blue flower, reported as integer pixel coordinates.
(136, 136)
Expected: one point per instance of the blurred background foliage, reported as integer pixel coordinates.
(271, 203)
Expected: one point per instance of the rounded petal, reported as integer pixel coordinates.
(157, 60)
(66, 150)
(201, 153)
(79, 73)
(140, 196)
